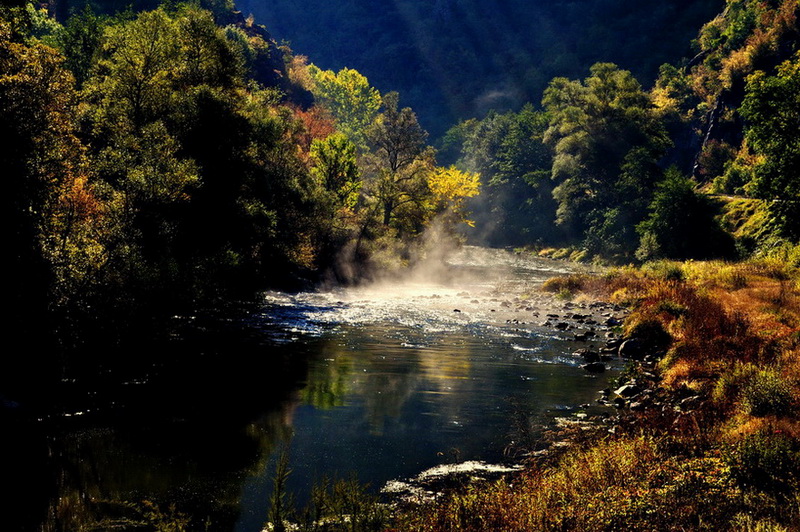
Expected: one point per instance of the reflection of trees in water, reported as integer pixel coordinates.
(103, 476)
(385, 393)
(386, 375)
(187, 442)
(328, 376)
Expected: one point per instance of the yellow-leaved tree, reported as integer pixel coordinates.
(451, 188)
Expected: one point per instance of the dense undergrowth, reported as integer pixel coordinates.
(719, 449)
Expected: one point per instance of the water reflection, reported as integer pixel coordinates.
(381, 381)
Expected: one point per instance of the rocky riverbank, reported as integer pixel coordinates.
(705, 431)
(595, 327)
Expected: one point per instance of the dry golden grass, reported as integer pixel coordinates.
(627, 483)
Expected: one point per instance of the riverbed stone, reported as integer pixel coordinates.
(628, 390)
(594, 367)
(588, 355)
(631, 348)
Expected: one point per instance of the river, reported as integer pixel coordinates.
(449, 363)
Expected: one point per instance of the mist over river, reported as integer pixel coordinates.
(454, 362)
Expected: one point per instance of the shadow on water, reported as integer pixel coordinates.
(180, 420)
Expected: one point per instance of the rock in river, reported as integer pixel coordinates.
(629, 390)
(594, 367)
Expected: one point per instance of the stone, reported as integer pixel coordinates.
(631, 348)
(594, 367)
(628, 390)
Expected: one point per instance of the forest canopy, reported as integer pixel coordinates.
(163, 157)
(176, 153)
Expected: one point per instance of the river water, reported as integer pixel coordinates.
(451, 362)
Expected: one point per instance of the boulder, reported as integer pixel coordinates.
(631, 348)
(594, 367)
(588, 355)
(628, 390)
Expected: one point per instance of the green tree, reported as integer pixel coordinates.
(134, 81)
(681, 223)
(482, 143)
(515, 205)
(208, 56)
(596, 126)
(208, 187)
(79, 42)
(771, 109)
(400, 162)
(336, 168)
(350, 98)
(521, 186)
(150, 180)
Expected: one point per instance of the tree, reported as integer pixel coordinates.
(350, 98)
(43, 163)
(595, 127)
(522, 190)
(336, 169)
(771, 109)
(208, 56)
(207, 176)
(400, 162)
(681, 223)
(79, 42)
(451, 188)
(515, 206)
(135, 77)
(151, 180)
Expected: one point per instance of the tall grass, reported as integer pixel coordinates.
(617, 484)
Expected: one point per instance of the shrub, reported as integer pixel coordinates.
(676, 310)
(766, 393)
(730, 384)
(579, 255)
(565, 283)
(749, 523)
(681, 223)
(650, 333)
(766, 460)
(624, 484)
(665, 270)
(346, 505)
(733, 277)
(561, 253)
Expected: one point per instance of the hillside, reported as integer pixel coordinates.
(617, 170)
(456, 59)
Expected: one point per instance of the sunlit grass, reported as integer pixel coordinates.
(617, 484)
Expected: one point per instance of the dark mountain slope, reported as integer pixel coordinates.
(454, 59)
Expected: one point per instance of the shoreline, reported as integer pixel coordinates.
(707, 429)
